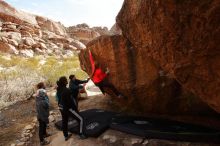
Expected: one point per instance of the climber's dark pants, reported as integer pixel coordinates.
(104, 84)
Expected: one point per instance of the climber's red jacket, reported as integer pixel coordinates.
(98, 74)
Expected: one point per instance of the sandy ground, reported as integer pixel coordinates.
(112, 137)
(16, 117)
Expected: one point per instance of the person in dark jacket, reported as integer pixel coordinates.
(74, 86)
(69, 108)
(42, 107)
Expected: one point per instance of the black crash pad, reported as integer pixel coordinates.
(164, 129)
(71, 123)
(96, 121)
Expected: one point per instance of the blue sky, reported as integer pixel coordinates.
(72, 12)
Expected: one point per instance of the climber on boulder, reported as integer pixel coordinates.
(99, 76)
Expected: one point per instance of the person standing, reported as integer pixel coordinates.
(42, 107)
(69, 108)
(74, 85)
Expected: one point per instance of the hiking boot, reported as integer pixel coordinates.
(45, 142)
(82, 136)
(67, 137)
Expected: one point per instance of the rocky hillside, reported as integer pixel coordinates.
(168, 48)
(10, 14)
(28, 34)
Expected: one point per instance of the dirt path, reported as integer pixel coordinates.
(14, 118)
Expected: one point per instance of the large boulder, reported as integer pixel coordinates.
(183, 36)
(137, 77)
(8, 48)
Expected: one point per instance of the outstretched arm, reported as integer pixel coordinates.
(83, 81)
(92, 63)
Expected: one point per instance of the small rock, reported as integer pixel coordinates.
(112, 139)
(135, 141)
(34, 120)
(28, 127)
(13, 144)
(23, 135)
(33, 124)
(52, 112)
(31, 135)
(145, 142)
(51, 118)
(21, 144)
(27, 134)
(24, 139)
(5, 40)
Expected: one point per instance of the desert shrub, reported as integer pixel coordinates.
(16, 85)
(20, 75)
(54, 68)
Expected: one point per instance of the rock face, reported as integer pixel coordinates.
(84, 33)
(101, 30)
(137, 77)
(115, 29)
(50, 25)
(182, 36)
(25, 33)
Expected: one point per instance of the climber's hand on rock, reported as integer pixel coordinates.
(107, 70)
